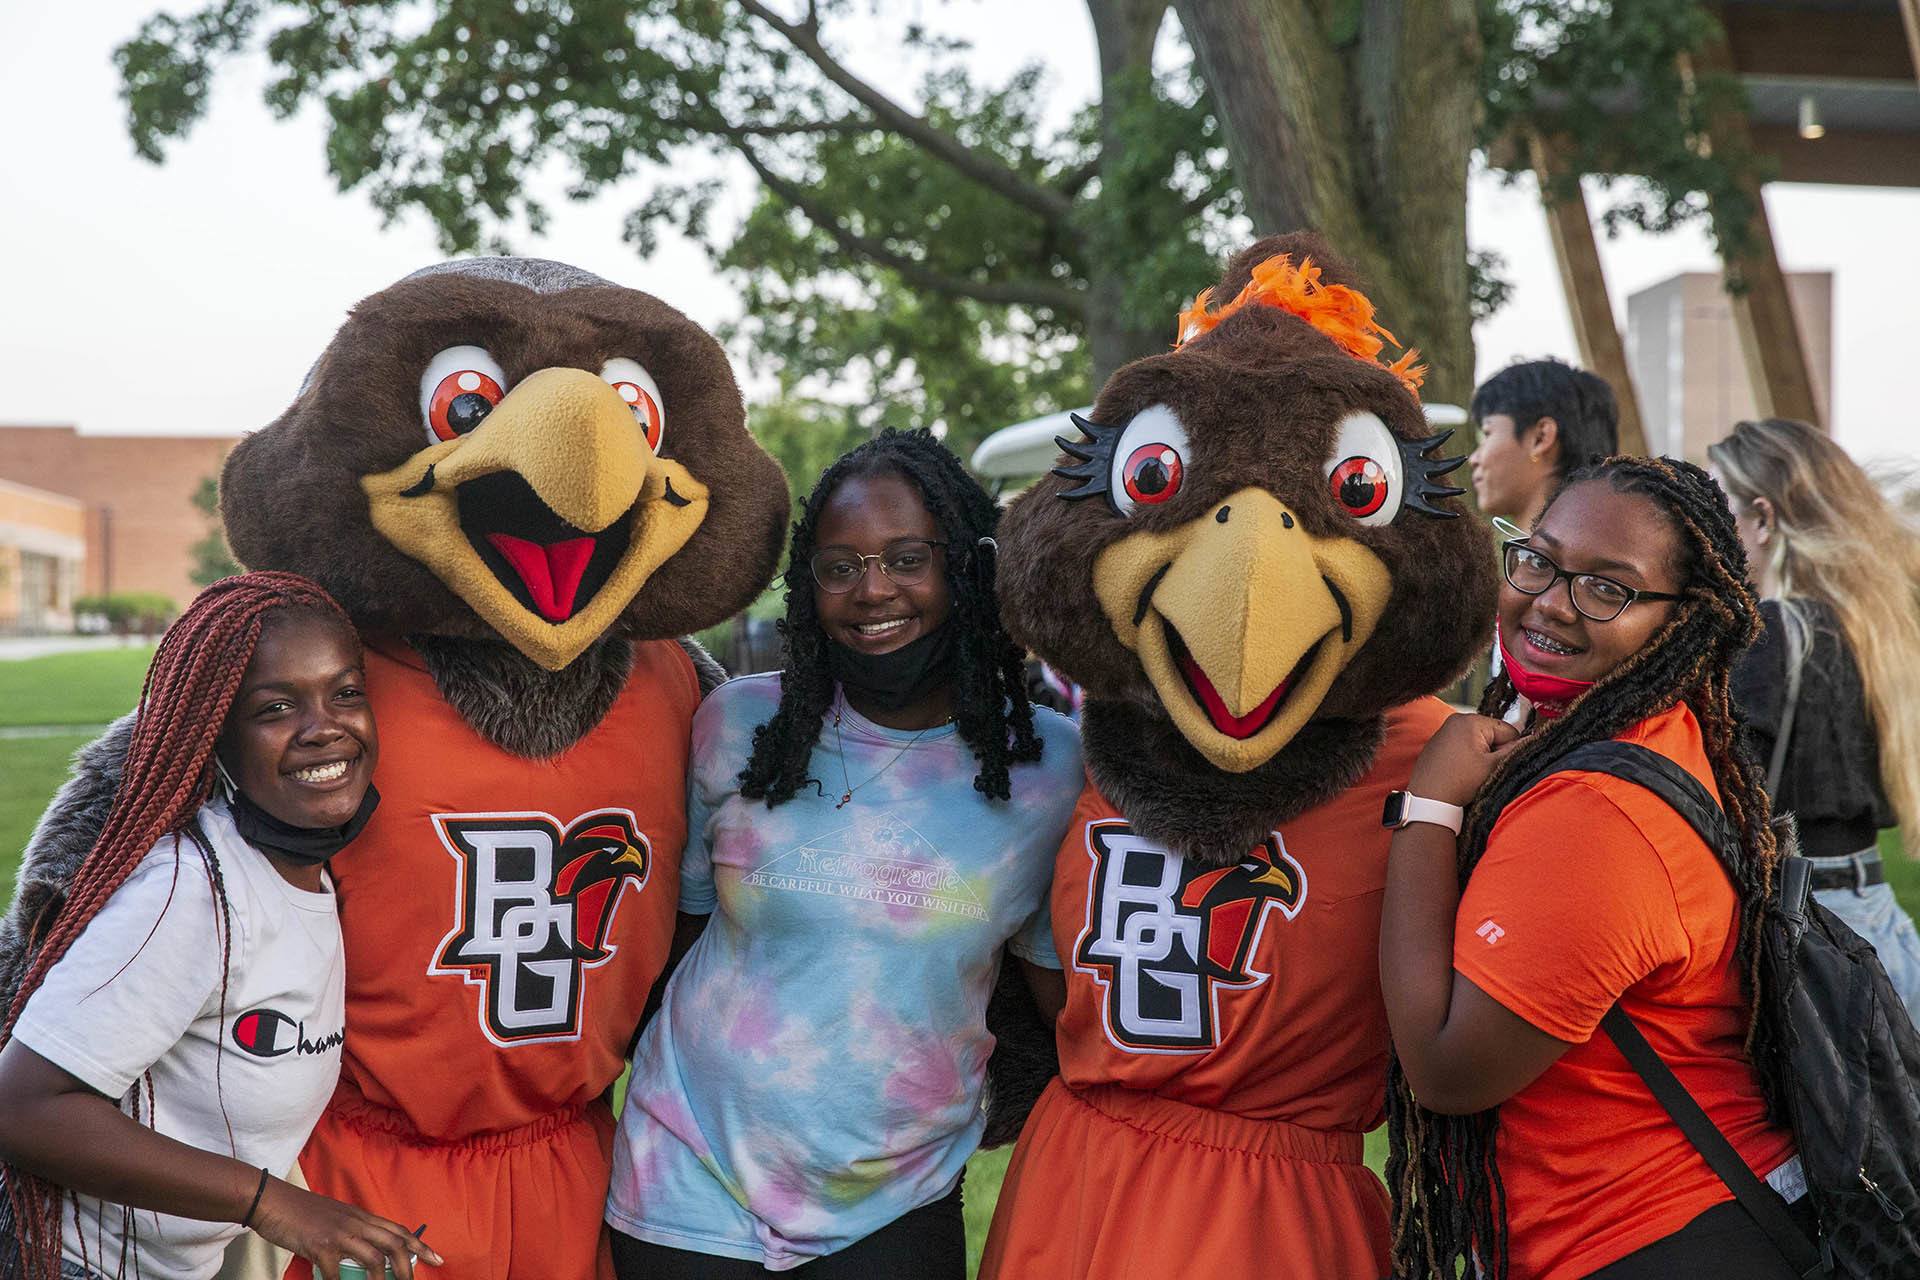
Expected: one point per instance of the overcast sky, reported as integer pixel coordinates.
(191, 297)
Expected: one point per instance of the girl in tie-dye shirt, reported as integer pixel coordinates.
(868, 833)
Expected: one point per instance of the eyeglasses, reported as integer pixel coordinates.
(906, 563)
(1595, 596)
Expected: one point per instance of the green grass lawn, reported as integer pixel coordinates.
(78, 689)
(91, 687)
(94, 687)
(31, 770)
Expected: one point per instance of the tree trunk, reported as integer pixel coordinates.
(1123, 31)
(1355, 118)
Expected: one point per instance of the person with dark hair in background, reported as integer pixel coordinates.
(1830, 693)
(1537, 421)
(177, 1023)
(868, 832)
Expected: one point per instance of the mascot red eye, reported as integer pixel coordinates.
(1359, 485)
(646, 410)
(636, 386)
(458, 389)
(1152, 473)
(1363, 471)
(1150, 460)
(461, 402)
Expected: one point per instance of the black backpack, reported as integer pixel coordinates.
(1852, 1060)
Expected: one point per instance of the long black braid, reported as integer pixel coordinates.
(989, 686)
(1449, 1208)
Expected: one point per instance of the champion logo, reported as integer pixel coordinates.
(1490, 932)
(268, 1033)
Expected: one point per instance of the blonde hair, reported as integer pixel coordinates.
(1838, 540)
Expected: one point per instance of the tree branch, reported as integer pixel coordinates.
(1219, 187)
(982, 168)
(1074, 181)
(1005, 293)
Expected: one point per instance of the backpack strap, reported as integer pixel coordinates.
(1633, 763)
(1759, 1200)
(1692, 801)
(1796, 668)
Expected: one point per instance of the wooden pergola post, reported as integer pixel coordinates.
(1769, 337)
(1910, 16)
(1585, 284)
(1776, 359)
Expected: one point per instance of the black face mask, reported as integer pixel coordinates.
(309, 846)
(898, 678)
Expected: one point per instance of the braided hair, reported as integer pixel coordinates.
(168, 774)
(990, 702)
(1449, 1207)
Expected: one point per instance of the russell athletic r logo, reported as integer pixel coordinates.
(536, 905)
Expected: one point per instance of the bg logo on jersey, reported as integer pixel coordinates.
(1163, 936)
(537, 901)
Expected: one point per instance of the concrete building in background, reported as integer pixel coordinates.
(42, 548)
(1686, 360)
(135, 494)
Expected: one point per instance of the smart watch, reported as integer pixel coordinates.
(1403, 807)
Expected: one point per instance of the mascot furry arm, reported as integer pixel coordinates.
(1273, 577)
(522, 481)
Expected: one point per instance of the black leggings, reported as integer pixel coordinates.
(929, 1243)
(1724, 1243)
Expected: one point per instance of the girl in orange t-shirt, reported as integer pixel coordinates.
(1534, 1150)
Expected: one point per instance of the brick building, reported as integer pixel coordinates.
(138, 521)
(42, 548)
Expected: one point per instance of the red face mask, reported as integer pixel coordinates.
(1548, 694)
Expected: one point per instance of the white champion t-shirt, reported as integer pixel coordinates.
(140, 992)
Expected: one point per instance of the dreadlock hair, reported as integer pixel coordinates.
(1449, 1207)
(168, 774)
(990, 702)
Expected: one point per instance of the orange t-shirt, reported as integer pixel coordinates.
(505, 918)
(1594, 890)
(1252, 989)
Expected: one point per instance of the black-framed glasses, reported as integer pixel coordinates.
(1595, 595)
(906, 563)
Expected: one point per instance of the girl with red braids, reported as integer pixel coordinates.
(178, 1026)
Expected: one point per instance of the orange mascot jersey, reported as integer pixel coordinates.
(504, 920)
(1222, 1053)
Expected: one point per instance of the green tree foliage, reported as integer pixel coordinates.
(1629, 90)
(947, 259)
(945, 256)
(211, 559)
(804, 436)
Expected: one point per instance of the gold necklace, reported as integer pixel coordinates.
(846, 795)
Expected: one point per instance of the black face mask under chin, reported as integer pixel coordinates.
(309, 846)
(898, 678)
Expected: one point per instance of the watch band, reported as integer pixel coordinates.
(1413, 808)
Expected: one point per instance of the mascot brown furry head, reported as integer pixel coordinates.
(513, 449)
(1268, 552)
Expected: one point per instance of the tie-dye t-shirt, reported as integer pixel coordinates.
(816, 1068)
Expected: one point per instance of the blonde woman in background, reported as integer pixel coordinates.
(1840, 569)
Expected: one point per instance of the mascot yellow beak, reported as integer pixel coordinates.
(548, 518)
(1242, 620)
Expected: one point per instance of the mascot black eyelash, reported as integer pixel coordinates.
(1095, 466)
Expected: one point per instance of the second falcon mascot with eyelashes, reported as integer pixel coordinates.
(1273, 576)
(522, 482)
